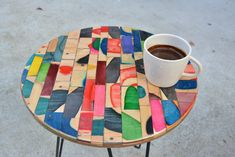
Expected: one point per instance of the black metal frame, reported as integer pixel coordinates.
(60, 142)
(59, 146)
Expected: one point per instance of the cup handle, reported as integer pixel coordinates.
(199, 65)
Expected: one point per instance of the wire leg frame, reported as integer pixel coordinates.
(138, 147)
(60, 142)
(59, 146)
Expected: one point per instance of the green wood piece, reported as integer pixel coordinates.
(96, 44)
(131, 99)
(131, 128)
(142, 44)
(43, 72)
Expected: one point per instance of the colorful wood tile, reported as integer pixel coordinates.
(90, 86)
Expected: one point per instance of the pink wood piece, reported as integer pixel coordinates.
(99, 100)
(85, 121)
(185, 96)
(185, 100)
(157, 115)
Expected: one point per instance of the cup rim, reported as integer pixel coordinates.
(171, 35)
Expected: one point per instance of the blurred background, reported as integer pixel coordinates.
(209, 130)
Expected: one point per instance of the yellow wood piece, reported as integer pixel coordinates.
(91, 69)
(34, 68)
(52, 45)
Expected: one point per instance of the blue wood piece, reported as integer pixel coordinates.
(48, 57)
(186, 84)
(24, 75)
(86, 32)
(98, 127)
(60, 48)
(103, 45)
(171, 112)
(112, 120)
(27, 88)
(127, 45)
(113, 70)
(53, 119)
(137, 41)
(58, 98)
(30, 60)
(42, 106)
(73, 103)
(66, 127)
(56, 120)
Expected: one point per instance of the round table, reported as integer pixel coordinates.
(89, 86)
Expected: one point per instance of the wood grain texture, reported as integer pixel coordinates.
(89, 87)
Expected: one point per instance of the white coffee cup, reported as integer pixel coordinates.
(166, 73)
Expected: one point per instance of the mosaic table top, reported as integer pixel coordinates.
(89, 86)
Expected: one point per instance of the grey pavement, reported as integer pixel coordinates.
(208, 131)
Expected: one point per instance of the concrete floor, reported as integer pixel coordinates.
(209, 130)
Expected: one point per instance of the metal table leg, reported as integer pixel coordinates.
(147, 149)
(60, 142)
(110, 152)
(59, 146)
(138, 146)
